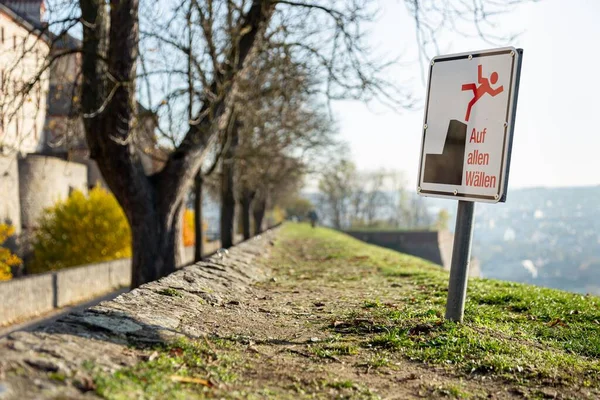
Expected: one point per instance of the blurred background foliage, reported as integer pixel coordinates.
(189, 228)
(7, 258)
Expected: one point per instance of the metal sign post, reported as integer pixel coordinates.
(461, 255)
(467, 143)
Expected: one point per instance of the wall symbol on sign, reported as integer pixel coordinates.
(447, 168)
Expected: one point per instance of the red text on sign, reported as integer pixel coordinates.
(477, 158)
(480, 179)
(477, 137)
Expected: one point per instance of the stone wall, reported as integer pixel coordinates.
(45, 180)
(77, 284)
(434, 246)
(424, 244)
(26, 297)
(30, 296)
(10, 208)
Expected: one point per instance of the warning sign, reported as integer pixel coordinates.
(468, 127)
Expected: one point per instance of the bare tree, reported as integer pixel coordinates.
(375, 195)
(283, 131)
(337, 185)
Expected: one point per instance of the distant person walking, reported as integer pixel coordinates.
(483, 88)
(312, 216)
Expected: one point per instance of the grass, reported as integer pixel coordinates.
(170, 292)
(184, 369)
(520, 333)
(332, 350)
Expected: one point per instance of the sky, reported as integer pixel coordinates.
(557, 130)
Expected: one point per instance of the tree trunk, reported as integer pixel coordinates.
(227, 205)
(260, 206)
(156, 241)
(245, 210)
(227, 188)
(246, 206)
(199, 234)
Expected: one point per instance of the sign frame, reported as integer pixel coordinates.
(511, 110)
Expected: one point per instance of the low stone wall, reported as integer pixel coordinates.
(82, 283)
(430, 245)
(26, 297)
(434, 246)
(33, 295)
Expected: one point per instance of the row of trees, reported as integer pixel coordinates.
(238, 87)
(349, 198)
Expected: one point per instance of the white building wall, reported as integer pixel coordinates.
(22, 115)
(10, 208)
(44, 180)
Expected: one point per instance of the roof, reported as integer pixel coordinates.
(21, 19)
(64, 41)
(61, 41)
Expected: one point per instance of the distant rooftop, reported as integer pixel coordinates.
(31, 11)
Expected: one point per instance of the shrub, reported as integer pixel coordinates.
(189, 226)
(81, 230)
(275, 216)
(189, 235)
(7, 259)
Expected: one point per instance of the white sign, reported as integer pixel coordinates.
(468, 127)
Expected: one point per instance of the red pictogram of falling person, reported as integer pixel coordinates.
(483, 88)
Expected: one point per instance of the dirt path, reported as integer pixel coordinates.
(294, 340)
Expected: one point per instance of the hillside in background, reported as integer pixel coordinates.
(548, 237)
(543, 236)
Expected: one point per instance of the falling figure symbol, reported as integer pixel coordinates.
(483, 88)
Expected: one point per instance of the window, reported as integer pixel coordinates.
(2, 35)
(15, 42)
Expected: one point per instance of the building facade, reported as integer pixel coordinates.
(23, 88)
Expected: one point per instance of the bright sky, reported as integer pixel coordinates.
(557, 131)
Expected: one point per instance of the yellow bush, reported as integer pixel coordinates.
(7, 259)
(278, 214)
(189, 228)
(81, 230)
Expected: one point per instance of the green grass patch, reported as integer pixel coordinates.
(170, 292)
(340, 384)
(332, 350)
(521, 333)
(57, 376)
(179, 370)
